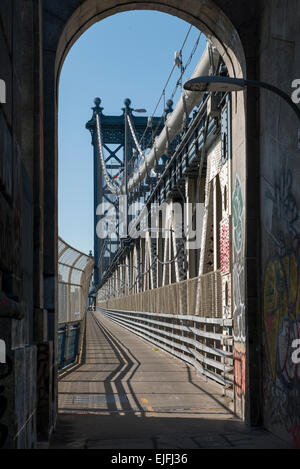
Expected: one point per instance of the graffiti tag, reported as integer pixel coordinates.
(237, 215)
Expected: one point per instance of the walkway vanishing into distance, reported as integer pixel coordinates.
(129, 394)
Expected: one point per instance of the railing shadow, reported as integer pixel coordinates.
(126, 363)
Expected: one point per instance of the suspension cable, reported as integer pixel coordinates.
(179, 81)
(156, 259)
(186, 65)
(138, 147)
(166, 84)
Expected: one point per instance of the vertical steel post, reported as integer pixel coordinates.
(127, 103)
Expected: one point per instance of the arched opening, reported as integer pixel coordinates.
(259, 40)
(218, 28)
(206, 16)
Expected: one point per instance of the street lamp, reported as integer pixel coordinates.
(227, 84)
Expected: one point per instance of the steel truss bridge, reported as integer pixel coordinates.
(160, 285)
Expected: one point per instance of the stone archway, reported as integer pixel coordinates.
(205, 15)
(229, 30)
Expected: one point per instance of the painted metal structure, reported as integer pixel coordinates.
(155, 279)
(164, 286)
(114, 134)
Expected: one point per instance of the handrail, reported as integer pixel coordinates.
(205, 343)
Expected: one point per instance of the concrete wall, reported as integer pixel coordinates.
(27, 377)
(280, 221)
(259, 40)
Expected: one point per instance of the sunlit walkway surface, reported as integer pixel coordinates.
(128, 394)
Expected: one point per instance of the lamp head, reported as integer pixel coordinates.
(215, 84)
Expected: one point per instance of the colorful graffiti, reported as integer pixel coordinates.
(281, 313)
(237, 215)
(239, 329)
(238, 272)
(285, 212)
(282, 407)
(281, 303)
(240, 373)
(238, 279)
(224, 246)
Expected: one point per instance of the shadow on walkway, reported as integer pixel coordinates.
(128, 394)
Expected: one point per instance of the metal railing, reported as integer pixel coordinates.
(69, 335)
(205, 343)
(74, 276)
(184, 319)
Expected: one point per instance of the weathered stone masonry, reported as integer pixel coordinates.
(258, 40)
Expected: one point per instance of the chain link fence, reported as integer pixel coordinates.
(197, 296)
(74, 276)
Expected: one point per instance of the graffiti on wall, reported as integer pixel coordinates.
(239, 329)
(282, 327)
(224, 246)
(240, 373)
(281, 312)
(283, 229)
(237, 215)
(281, 302)
(238, 271)
(282, 406)
(238, 278)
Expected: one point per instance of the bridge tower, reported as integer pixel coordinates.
(115, 135)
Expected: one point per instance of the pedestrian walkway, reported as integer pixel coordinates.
(129, 394)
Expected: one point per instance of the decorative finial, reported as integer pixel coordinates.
(169, 108)
(127, 102)
(97, 109)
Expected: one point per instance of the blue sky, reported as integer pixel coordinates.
(126, 55)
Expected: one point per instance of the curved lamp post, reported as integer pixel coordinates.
(227, 84)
